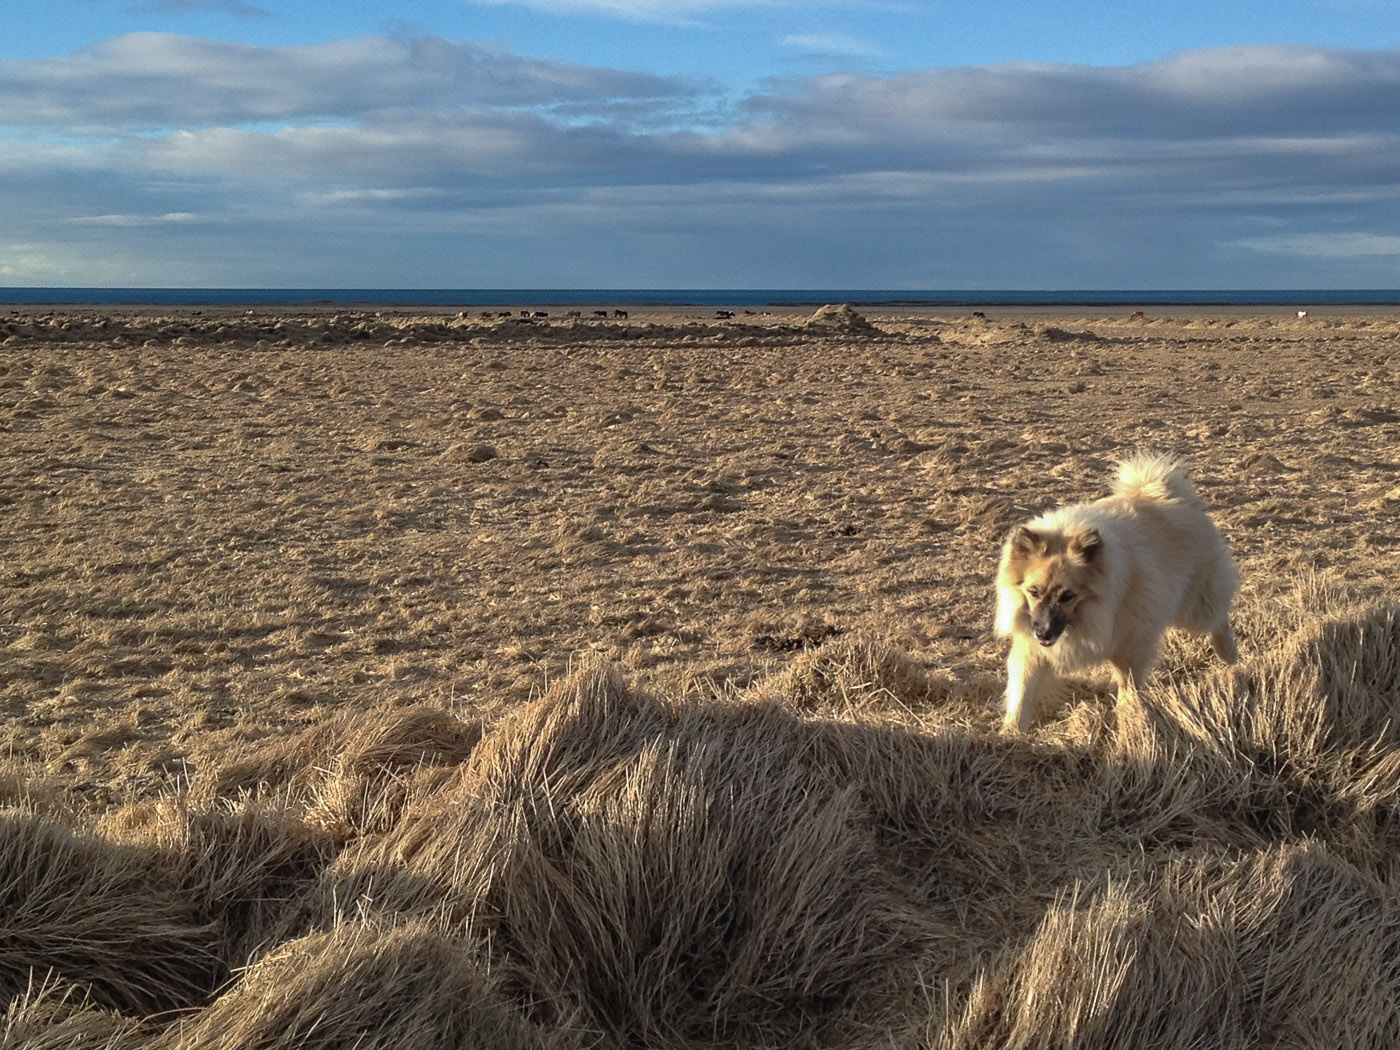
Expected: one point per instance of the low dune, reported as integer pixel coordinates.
(416, 681)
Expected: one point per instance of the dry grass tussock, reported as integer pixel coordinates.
(837, 856)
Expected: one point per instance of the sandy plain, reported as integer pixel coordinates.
(288, 597)
(224, 525)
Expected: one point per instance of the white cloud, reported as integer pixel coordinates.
(685, 12)
(153, 80)
(1194, 95)
(332, 198)
(671, 12)
(443, 148)
(836, 45)
(132, 220)
(1351, 245)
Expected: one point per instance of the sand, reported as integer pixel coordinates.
(221, 525)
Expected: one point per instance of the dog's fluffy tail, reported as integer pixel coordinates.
(1153, 476)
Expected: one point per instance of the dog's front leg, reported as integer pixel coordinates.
(1026, 678)
(1130, 671)
(1222, 640)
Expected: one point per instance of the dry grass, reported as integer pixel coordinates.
(100, 916)
(405, 986)
(1285, 947)
(303, 749)
(857, 867)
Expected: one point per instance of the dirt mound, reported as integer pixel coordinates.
(839, 318)
(1053, 334)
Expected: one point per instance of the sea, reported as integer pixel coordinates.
(696, 297)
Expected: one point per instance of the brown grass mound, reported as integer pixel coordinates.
(99, 917)
(350, 743)
(1321, 692)
(839, 856)
(852, 676)
(1052, 334)
(239, 867)
(354, 773)
(1290, 947)
(55, 1015)
(1299, 742)
(404, 988)
(677, 876)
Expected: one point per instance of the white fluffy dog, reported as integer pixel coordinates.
(1101, 582)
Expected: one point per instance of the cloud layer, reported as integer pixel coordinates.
(147, 80)
(429, 162)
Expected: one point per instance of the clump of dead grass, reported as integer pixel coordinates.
(56, 1015)
(407, 987)
(674, 874)
(1299, 741)
(852, 676)
(100, 917)
(1286, 947)
(239, 866)
(354, 773)
(843, 855)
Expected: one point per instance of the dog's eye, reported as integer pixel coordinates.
(1066, 597)
(1034, 592)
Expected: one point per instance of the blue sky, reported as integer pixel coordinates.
(701, 143)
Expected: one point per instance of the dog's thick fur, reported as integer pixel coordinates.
(1101, 582)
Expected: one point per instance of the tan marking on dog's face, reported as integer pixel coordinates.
(1055, 584)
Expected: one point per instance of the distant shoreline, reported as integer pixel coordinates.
(884, 299)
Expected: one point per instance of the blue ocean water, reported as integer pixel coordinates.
(743, 297)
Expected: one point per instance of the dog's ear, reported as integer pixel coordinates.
(1086, 547)
(1024, 542)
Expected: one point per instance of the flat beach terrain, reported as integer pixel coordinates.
(320, 579)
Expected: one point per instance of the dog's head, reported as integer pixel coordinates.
(1054, 573)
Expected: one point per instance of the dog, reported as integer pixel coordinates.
(1101, 582)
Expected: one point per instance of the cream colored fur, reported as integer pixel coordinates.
(1103, 581)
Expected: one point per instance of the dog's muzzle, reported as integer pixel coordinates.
(1047, 627)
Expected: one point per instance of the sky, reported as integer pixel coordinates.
(853, 144)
